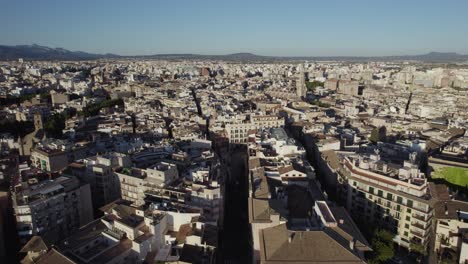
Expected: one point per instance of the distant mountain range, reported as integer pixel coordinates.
(37, 52)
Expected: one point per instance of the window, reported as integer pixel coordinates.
(409, 203)
(408, 210)
(399, 200)
(354, 183)
(371, 190)
(405, 234)
(408, 218)
(380, 193)
(406, 226)
(389, 196)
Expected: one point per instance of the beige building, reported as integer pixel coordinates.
(451, 218)
(58, 98)
(49, 160)
(399, 203)
(348, 87)
(239, 132)
(55, 155)
(331, 84)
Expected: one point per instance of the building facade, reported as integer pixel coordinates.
(53, 208)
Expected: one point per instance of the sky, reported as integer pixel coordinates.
(264, 27)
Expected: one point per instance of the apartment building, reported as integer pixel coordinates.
(54, 155)
(451, 225)
(127, 234)
(161, 183)
(98, 171)
(239, 132)
(49, 160)
(50, 207)
(348, 87)
(389, 196)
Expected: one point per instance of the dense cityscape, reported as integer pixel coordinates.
(187, 161)
(234, 132)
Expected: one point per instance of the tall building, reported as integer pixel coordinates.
(301, 89)
(388, 195)
(98, 171)
(49, 207)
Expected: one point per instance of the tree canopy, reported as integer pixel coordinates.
(312, 85)
(93, 109)
(382, 246)
(16, 128)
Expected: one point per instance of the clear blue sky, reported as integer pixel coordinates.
(266, 27)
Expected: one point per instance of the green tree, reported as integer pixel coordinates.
(319, 103)
(378, 134)
(374, 137)
(382, 246)
(420, 249)
(55, 124)
(312, 85)
(93, 109)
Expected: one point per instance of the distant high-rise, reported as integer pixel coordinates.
(301, 88)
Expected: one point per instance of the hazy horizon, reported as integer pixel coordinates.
(233, 53)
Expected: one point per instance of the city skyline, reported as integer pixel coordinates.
(361, 28)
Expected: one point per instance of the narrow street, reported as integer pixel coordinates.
(234, 240)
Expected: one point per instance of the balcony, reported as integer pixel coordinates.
(420, 226)
(420, 217)
(445, 241)
(419, 234)
(115, 233)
